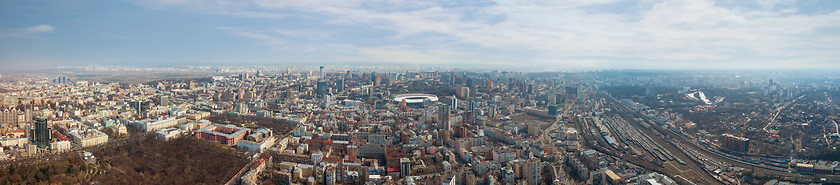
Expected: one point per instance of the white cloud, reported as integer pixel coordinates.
(252, 14)
(41, 28)
(261, 37)
(309, 34)
(29, 32)
(656, 33)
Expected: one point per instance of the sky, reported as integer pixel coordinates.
(540, 35)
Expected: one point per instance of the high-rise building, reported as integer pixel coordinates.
(552, 100)
(533, 168)
(405, 167)
(735, 143)
(40, 133)
(443, 117)
(163, 100)
(650, 92)
(339, 85)
(491, 111)
(453, 103)
(462, 91)
(473, 105)
(326, 101)
(322, 88)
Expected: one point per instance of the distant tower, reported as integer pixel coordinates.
(443, 116)
(326, 101)
(243, 76)
(321, 88)
(453, 103)
(139, 107)
(40, 133)
(322, 71)
(339, 85)
(650, 92)
(163, 100)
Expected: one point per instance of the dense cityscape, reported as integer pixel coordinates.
(354, 125)
(430, 92)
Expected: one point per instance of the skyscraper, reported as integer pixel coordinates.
(462, 92)
(322, 88)
(339, 85)
(453, 103)
(377, 81)
(40, 133)
(443, 116)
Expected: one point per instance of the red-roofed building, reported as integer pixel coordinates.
(332, 160)
(318, 143)
(59, 136)
(16, 133)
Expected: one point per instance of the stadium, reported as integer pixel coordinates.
(416, 99)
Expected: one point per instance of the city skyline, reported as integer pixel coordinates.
(528, 35)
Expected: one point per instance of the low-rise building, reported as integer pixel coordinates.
(150, 125)
(168, 133)
(89, 137)
(226, 134)
(60, 146)
(198, 115)
(258, 141)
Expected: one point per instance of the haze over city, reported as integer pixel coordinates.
(554, 35)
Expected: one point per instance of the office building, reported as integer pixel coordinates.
(40, 134)
(339, 85)
(322, 88)
(443, 117)
(453, 103)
